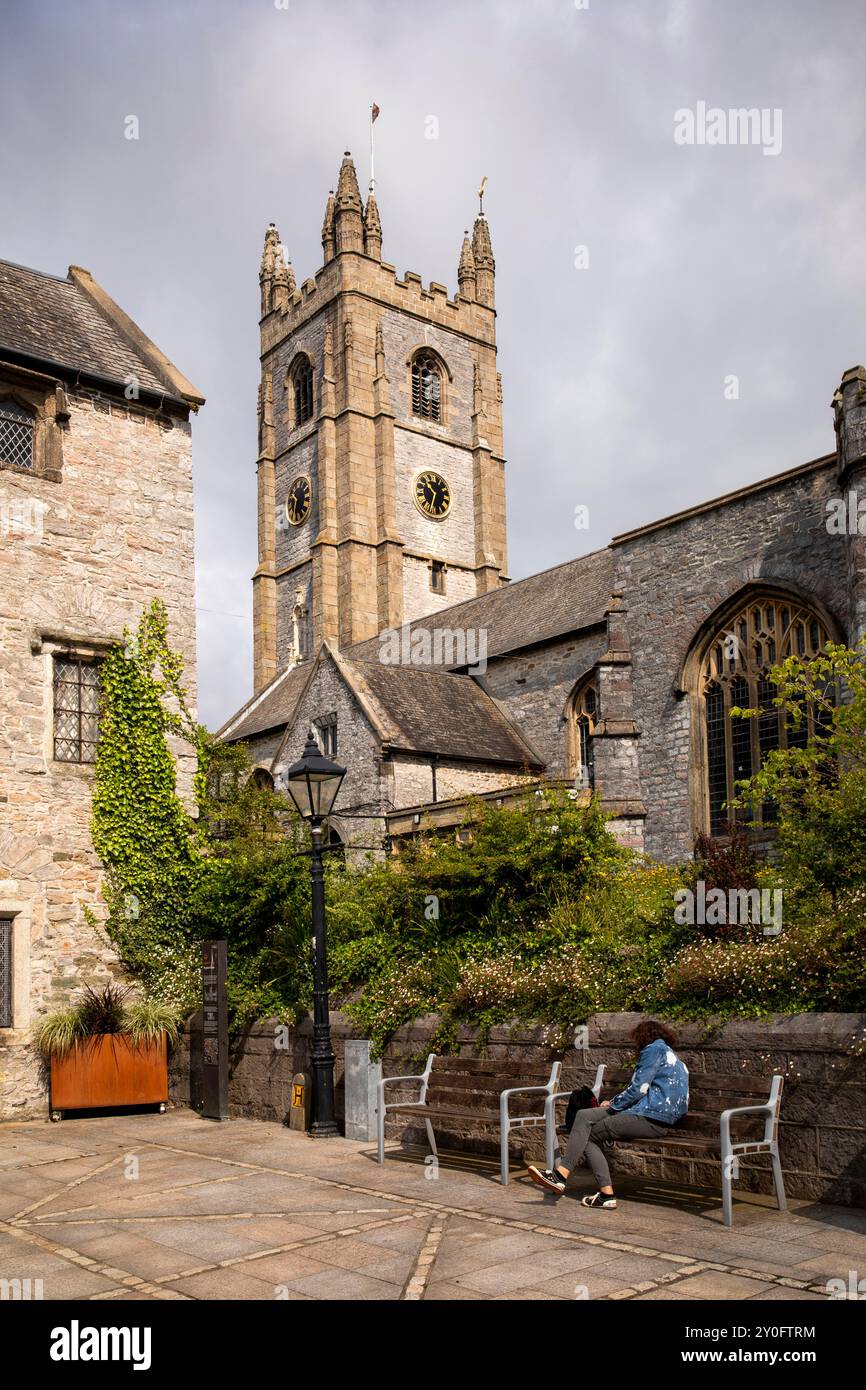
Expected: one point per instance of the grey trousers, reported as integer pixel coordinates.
(592, 1127)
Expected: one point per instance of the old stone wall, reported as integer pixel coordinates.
(413, 779)
(366, 787)
(116, 531)
(823, 1124)
(675, 576)
(533, 687)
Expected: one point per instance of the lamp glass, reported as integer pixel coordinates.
(313, 783)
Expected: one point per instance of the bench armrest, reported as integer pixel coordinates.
(423, 1079)
(517, 1091)
(727, 1115)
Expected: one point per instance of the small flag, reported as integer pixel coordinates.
(374, 112)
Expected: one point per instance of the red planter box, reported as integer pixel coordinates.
(107, 1070)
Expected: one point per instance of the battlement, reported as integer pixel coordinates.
(352, 247)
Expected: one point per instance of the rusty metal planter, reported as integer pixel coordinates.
(106, 1071)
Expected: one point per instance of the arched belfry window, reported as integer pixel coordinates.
(301, 380)
(427, 387)
(735, 673)
(583, 716)
(16, 435)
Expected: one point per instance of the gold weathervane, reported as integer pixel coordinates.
(481, 197)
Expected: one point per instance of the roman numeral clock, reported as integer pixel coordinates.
(299, 500)
(432, 495)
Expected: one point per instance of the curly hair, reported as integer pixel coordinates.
(651, 1029)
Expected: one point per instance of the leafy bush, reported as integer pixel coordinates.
(533, 913)
(818, 791)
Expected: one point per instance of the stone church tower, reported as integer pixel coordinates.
(381, 490)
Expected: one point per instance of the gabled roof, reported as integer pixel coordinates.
(72, 325)
(423, 712)
(272, 708)
(426, 708)
(529, 611)
(433, 713)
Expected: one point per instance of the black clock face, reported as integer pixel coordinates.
(298, 501)
(432, 495)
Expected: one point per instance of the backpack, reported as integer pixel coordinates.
(584, 1098)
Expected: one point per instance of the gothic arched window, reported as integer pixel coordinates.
(427, 387)
(735, 673)
(16, 435)
(302, 390)
(583, 715)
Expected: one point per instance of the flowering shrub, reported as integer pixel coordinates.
(538, 914)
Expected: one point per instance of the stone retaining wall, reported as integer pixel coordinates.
(823, 1126)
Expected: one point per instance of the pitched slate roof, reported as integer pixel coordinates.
(432, 712)
(74, 324)
(272, 708)
(546, 605)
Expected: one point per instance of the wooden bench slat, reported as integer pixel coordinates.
(502, 1082)
(489, 1066)
(445, 1112)
(735, 1083)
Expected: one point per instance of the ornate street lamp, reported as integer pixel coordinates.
(313, 783)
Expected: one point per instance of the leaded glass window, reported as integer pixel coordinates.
(76, 709)
(5, 972)
(736, 673)
(16, 435)
(426, 388)
(326, 734)
(302, 381)
(584, 713)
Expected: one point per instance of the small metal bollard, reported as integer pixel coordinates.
(299, 1110)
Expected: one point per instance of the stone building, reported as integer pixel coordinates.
(95, 521)
(383, 619)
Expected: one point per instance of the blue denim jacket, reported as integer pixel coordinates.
(659, 1089)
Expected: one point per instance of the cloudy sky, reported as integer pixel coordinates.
(702, 262)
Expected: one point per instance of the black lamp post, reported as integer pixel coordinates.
(313, 784)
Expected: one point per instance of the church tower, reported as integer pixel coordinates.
(381, 488)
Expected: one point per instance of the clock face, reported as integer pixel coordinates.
(298, 501)
(432, 495)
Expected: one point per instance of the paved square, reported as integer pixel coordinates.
(176, 1207)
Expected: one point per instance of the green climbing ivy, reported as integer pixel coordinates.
(225, 867)
(149, 844)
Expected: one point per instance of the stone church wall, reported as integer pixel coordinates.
(533, 687)
(674, 577)
(453, 538)
(357, 749)
(413, 779)
(117, 531)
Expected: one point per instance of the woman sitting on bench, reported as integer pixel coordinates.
(655, 1099)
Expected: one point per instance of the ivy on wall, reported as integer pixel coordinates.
(226, 866)
(149, 843)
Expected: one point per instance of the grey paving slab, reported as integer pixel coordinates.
(788, 1296)
(339, 1284)
(715, 1284)
(236, 1284)
(282, 1268)
(205, 1241)
(210, 1195)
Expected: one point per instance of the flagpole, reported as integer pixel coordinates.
(372, 165)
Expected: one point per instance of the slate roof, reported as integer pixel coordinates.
(56, 323)
(564, 599)
(272, 708)
(424, 711)
(432, 711)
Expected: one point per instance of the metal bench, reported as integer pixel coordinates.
(473, 1092)
(743, 1101)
